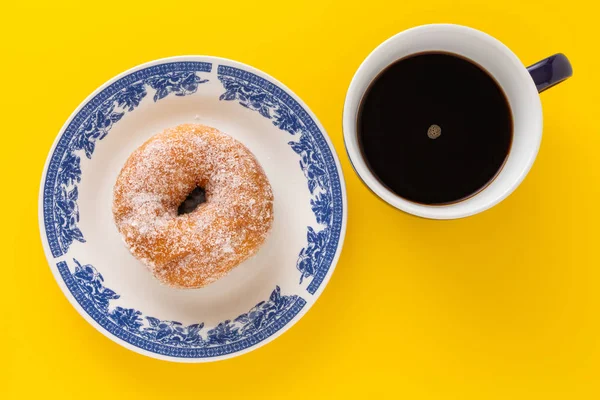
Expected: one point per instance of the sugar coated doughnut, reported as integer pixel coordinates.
(193, 249)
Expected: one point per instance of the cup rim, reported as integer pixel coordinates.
(448, 211)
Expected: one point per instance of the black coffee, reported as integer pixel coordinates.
(435, 128)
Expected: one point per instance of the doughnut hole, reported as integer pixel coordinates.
(192, 201)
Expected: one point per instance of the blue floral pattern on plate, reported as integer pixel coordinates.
(87, 285)
(94, 121)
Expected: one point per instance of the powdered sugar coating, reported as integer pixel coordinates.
(195, 249)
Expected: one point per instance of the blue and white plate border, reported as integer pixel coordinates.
(55, 261)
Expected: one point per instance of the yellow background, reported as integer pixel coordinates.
(503, 305)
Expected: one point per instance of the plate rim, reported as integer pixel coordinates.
(311, 299)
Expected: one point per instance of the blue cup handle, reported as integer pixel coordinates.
(550, 71)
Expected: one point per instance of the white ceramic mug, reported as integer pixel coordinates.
(520, 84)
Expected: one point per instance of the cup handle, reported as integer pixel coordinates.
(550, 71)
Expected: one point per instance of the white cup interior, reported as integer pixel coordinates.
(495, 58)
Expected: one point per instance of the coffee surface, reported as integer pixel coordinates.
(435, 128)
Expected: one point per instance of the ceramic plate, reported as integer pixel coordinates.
(258, 300)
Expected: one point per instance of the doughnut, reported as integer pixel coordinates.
(192, 250)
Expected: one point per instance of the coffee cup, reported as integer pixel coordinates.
(521, 86)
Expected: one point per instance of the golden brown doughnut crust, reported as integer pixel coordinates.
(195, 249)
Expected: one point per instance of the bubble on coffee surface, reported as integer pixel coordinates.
(434, 131)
